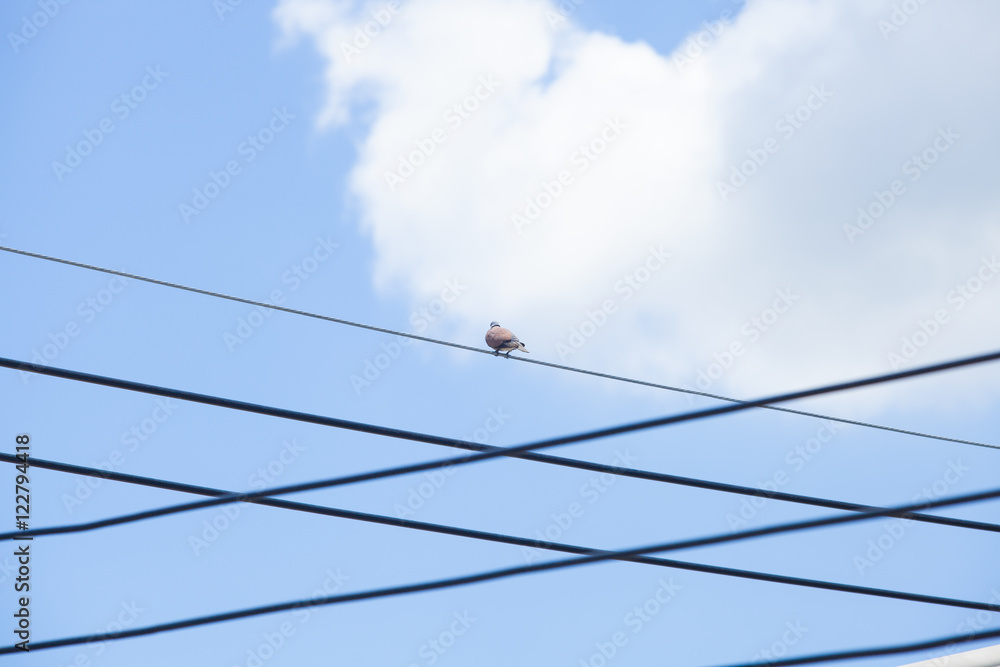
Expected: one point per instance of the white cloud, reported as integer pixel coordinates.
(671, 135)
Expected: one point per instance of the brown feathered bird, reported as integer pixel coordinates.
(503, 340)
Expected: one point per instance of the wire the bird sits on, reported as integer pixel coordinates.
(608, 376)
(589, 555)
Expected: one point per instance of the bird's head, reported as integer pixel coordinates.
(494, 324)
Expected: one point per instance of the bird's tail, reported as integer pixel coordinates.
(523, 348)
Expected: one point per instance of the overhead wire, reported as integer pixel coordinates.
(896, 649)
(538, 362)
(579, 437)
(588, 556)
(493, 453)
(265, 497)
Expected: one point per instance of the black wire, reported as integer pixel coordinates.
(493, 453)
(259, 497)
(265, 496)
(872, 652)
(590, 556)
(586, 465)
(480, 350)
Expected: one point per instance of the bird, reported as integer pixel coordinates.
(502, 340)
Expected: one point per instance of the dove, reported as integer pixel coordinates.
(502, 340)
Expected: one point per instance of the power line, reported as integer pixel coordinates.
(489, 454)
(882, 650)
(471, 458)
(639, 554)
(538, 362)
(265, 497)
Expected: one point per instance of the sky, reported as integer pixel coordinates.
(740, 198)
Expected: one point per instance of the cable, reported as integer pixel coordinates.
(883, 650)
(608, 376)
(590, 556)
(471, 458)
(265, 497)
(918, 434)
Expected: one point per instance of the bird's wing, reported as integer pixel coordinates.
(498, 336)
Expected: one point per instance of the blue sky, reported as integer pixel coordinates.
(257, 120)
